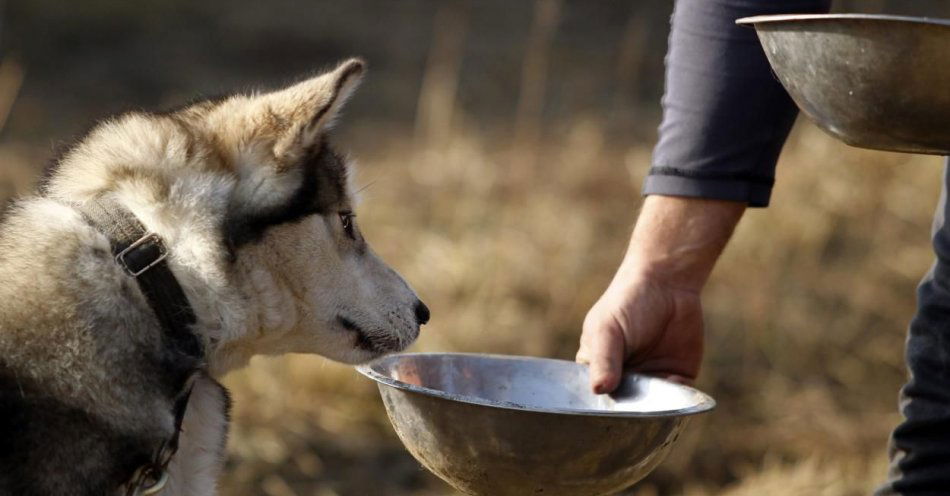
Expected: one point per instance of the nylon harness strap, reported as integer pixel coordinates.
(143, 256)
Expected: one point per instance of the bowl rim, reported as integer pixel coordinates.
(706, 403)
(781, 18)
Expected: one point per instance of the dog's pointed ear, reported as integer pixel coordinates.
(310, 107)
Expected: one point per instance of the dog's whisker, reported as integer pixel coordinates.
(365, 187)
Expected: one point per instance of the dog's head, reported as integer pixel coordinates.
(278, 198)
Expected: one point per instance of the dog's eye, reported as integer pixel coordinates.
(349, 225)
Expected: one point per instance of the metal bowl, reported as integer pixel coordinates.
(505, 425)
(873, 81)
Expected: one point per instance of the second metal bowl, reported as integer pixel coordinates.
(873, 81)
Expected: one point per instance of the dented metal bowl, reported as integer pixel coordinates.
(874, 81)
(506, 425)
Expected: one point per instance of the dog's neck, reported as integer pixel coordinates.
(233, 301)
(269, 306)
(243, 309)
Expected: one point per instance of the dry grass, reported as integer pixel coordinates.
(806, 312)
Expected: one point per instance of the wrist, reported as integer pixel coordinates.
(677, 241)
(638, 270)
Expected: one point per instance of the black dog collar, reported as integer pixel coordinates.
(143, 256)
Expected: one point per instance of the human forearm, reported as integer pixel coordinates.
(677, 240)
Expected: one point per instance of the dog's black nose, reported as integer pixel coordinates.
(422, 312)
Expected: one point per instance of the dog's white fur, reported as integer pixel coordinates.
(184, 176)
(197, 465)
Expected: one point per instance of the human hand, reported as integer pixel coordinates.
(646, 326)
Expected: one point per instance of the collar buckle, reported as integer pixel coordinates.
(145, 253)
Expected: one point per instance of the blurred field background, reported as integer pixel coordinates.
(503, 144)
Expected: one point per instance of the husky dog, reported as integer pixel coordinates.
(255, 213)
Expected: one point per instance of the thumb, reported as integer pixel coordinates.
(605, 354)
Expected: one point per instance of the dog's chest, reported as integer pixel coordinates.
(200, 458)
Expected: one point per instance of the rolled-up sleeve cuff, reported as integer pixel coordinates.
(752, 192)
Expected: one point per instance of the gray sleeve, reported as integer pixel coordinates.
(725, 116)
